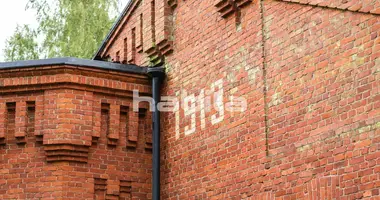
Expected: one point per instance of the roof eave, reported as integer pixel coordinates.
(127, 68)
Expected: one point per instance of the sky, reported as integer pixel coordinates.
(13, 12)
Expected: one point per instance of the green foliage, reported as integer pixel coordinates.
(22, 45)
(69, 28)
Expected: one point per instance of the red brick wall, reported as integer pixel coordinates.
(70, 133)
(219, 160)
(323, 101)
(308, 70)
(144, 34)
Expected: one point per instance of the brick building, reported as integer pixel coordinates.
(307, 71)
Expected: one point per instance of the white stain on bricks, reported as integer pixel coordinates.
(209, 107)
(239, 61)
(377, 63)
(276, 99)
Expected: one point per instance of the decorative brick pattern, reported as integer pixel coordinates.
(3, 123)
(31, 118)
(52, 143)
(145, 127)
(163, 26)
(96, 120)
(11, 121)
(146, 33)
(21, 121)
(132, 133)
(38, 118)
(311, 127)
(125, 190)
(114, 125)
(308, 70)
(172, 3)
(139, 32)
(228, 7)
(100, 188)
(66, 152)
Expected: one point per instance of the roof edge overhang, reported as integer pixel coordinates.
(126, 68)
(113, 29)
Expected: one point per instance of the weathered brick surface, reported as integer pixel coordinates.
(322, 91)
(309, 72)
(52, 144)
(220, 160)
(351, 5)
(147, 28)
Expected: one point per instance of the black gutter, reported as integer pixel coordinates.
(75, 62)
(158, 75)
(113, 29)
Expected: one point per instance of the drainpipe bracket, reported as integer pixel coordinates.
(156, 72)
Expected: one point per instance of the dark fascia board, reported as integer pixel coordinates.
(113, 29)
(75, 62)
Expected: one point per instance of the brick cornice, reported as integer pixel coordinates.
(13, 80)
(59, 69)
(228, 7)
(66, 104)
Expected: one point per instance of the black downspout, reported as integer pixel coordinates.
(157, 74)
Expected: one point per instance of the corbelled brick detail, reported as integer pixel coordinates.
(308, 70)
(21, 121)
(145, 34)
(57, 143)
(67, 125)
(228, 7)
(3, 122)
(172, 3)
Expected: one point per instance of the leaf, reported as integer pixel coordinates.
(66, 28)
